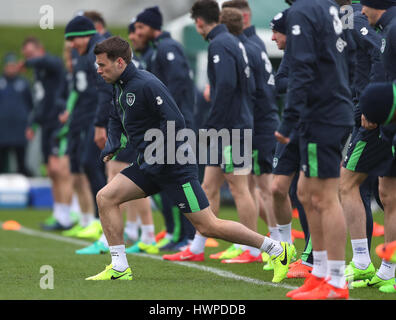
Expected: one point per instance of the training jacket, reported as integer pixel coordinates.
(230, 85)
(319, 85)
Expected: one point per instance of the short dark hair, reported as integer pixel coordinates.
(208, 10)
(237, 4)
(233, 20)
(95, 17)
(31, 39)
(115, 47)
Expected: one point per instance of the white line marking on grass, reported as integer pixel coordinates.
(220, 273)
(52, 236)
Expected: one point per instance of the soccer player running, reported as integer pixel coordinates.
(359, 175)
(141, 103)
(319, 90)
(49, 75)
(382, 15)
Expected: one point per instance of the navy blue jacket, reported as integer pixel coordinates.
(230, 87)
(250, 32)
(290, 115)
(145, 57)
(386, 25)
(319, 75)
(142, 102)
(15, 105)
(368, 66)
(265, 108)
(387, 28)
(169, 64)
(49, 75)
(282, 75)
(94, 94)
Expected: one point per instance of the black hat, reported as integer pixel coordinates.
(79, 26)
(378, 102)
(278, 23)
(151, 17)
(378, 4)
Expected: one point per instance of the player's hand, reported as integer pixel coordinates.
(108, 157)
(206, 93)
(281, 138)
(29, 134)
(64, 116)
(367, 124)
(100, 137)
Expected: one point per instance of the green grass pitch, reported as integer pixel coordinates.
(22, 256)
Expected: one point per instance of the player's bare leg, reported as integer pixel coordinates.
(352, 203)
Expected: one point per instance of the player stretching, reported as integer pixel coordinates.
(142, 102)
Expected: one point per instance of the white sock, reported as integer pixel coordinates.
(75, 205)
(198, 244)
(336, 272)
(62, 213)
(274, 233)
(285, 232)
(169, 236)
(387, 270)
(118, 258)
(148, 236)
(132, 230)
(253, 251)
(86, 219)
(272, 247)
(104, 240)
(319, 264)
(361, 254)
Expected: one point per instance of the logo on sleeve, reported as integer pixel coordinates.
(296, 30)
(170, 56)
(364, 31)
(159, 100)
(340, 44)
(216, 58)
(130, 99)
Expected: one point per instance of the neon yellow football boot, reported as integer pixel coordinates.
(282, 261)
(110, 274)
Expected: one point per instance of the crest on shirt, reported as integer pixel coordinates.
(130, 99)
